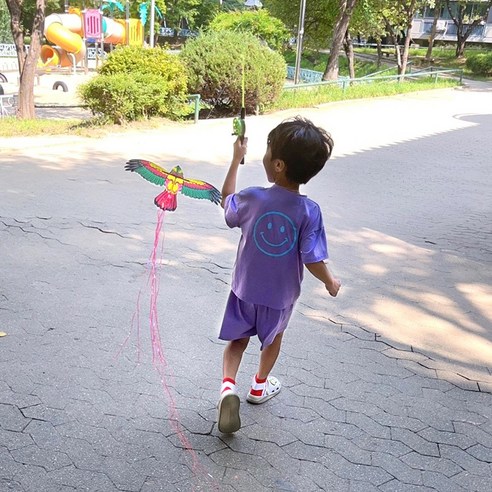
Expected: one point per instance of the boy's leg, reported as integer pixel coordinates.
(264, 386)
(233, 353)
(229, 420)
(269, 356)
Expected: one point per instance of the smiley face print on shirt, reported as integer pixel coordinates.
(275, 234)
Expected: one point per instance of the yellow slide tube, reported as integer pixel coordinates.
(69, 41)
(59, 30)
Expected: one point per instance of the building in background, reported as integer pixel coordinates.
(446, 29)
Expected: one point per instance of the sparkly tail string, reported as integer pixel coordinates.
(158, 358)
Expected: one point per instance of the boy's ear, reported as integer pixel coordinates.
(279, 165)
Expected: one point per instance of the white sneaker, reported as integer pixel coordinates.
(228, 420)
(261, 392)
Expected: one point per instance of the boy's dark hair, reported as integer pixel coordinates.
(303, 147)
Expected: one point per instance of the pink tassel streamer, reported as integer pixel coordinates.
(158, 358)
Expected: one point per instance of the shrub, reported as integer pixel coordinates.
(136, 83)
(215, 63)
(480, 64)
(257, 22)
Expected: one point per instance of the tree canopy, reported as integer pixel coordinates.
(257, 22)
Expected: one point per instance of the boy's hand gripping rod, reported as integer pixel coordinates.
(239, 127)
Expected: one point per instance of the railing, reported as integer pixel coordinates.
(95, 53)
(8, 51)
(345, 83)
(195, 99)
(169, 32)
(389, 69)
(446, 72)
(8, 105)
(309, 76)
(305, 74)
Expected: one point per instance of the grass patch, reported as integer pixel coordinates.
(442, 57)
(312, 96)
(314, 60)
(13, 127)
(92, 128)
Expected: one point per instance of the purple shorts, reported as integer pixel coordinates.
(243, 320)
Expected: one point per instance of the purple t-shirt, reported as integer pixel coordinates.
(281, 231)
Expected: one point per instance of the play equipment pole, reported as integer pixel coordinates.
(300, 36)
(127, 21)
(152, 22)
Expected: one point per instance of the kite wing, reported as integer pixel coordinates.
(148, 170)
(195, 188)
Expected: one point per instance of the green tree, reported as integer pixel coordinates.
(206, 13)
(319, 21)
(257, 22)
(466, 16)
(398, 17)
(229, 5)
(29, 11)
(176, 10)
(5, 31)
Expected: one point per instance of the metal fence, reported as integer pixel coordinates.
(309, 76)
(346, 82)
(9, 51)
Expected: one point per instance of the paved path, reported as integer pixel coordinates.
(387, 387)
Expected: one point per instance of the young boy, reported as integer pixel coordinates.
(282, 231)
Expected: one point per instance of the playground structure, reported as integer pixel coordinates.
(72, 32)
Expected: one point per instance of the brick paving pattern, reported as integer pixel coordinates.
(359, 409)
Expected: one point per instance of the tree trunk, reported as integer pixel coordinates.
(460, 44)
(341, 26)
(408, 39)
(27, 61)
(349, 52)
(432, 37)
(380, 52)
(394, 41)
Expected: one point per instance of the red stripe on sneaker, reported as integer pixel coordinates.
(229, 380)
(256, 392)
(227, 388)
(258, 380)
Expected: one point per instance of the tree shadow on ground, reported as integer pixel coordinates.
(410, 237)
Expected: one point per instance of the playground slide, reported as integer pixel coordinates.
(64, 31)
(114, 31)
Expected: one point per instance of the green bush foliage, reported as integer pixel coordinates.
(215, 63)
(136, 83)
(257, 22)
(480, 64)
(120, 98)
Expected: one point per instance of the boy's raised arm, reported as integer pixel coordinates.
(321, 272)
(229, 186)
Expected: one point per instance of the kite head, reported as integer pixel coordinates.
(177, 171)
